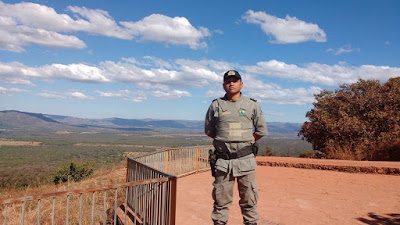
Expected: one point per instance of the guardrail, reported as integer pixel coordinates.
(86, 208)
(153, 203)
(178, 161)
(149, 193)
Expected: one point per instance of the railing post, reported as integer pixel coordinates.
(173, 201)
(127, 170)
(197, 159)
(166, 161)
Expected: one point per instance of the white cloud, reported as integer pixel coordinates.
(273, 93)
(341, 50)
(24, 23)
(322, 74)
(167, 30)
(18, 73)
(133, 96)
(287, 30)
(9, 91)
(14, 37)
(203, 74)
(174, 94)
(64, 95)
(77, 95)
(274, 113)
(74, 72)
(215, 93)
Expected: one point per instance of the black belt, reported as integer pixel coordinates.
(234, 155)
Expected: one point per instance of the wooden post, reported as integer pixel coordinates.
(173, 201)
(166, 161)
(127, 170)
(197, 159)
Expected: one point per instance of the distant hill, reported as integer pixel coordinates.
(17, 120)
(12, 119)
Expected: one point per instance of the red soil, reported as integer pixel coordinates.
(302, 196)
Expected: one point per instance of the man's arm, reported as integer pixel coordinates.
(257, 137)
(211, 135)
(260, 126)
(209, 125)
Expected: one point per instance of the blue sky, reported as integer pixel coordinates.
(165, 59)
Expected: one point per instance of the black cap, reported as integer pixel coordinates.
(232, 73)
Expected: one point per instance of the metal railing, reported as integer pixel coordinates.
(80, 206)
(156, 202)
(178, 161)
(148, 196)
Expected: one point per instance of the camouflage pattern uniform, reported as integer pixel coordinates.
(232, 123)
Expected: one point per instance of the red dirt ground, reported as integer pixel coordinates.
(292, 196)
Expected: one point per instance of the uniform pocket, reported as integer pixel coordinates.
(248, 191)
(248, 164)
(222, 165)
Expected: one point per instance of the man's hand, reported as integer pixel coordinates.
(211, 135)
(257, 137)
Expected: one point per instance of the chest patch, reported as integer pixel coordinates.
(242, 112)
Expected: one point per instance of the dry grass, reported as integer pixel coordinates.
(101, 177)
(7, 142)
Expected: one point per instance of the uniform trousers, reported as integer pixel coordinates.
(223, 196)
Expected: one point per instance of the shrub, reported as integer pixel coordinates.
(359, 121)
(73, 171)
(266, 152)
(307, 154)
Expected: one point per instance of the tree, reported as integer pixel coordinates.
(359, 121)
(72, 172)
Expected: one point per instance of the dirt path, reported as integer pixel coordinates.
(301, 196)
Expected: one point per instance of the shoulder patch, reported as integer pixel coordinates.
(253, 99)
(214, 100)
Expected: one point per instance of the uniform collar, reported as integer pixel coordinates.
(240, 98)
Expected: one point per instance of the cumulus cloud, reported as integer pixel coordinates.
(322, 74)
(64, 95)
(287, 30)
(14, 37)
(133, 96)
(341, 50)
(139, 96)
(18, 73)
(174, 94)
(273, 93)
(167, 30)
(9, 91)
(190, 73)
(165, 78)
(24, 23)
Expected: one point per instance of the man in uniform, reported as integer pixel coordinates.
(229, 121)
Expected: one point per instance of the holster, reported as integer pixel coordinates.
(255, 149)
(212, 159)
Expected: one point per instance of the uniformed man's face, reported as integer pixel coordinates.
(233, 85)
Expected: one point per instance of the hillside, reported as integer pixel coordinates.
(16, 120)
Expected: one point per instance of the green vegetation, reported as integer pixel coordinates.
(359, 121)
(307, 154)
(22, 166)
(283, 147)
(72, 172)
(29, 165)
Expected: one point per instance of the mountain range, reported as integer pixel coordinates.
(27, 121)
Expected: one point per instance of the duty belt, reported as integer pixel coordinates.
(234, 155)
